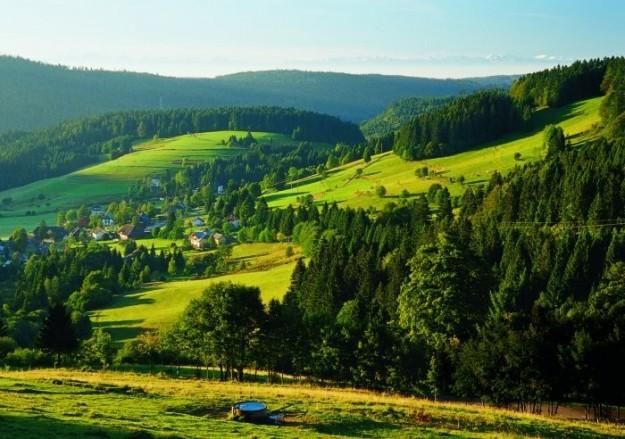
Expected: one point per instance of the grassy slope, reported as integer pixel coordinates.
(476, 165)
(116, 405)
(110, 180)
(160, 304)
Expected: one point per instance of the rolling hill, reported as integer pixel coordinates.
(35, 95)
(395, 174)
(398, 113)
(110, 180)
(160, 304)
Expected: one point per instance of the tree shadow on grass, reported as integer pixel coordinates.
(27, 427)
(356, 428)
(130, 300)
(533, 428)
(280, 195)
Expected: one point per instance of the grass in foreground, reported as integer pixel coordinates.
(159, 305)
(475, 165)
(66, 403)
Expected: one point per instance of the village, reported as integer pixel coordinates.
(95, 223)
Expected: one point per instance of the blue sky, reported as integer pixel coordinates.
(442, 38)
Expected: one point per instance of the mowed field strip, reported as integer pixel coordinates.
(159, 305)
(110, 180)
(476, 165)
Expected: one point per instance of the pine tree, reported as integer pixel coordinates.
(58, 335)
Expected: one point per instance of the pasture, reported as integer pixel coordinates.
(109, 181)
(343, 186)
(69, 403)
(159, 304)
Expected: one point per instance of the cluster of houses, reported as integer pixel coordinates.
(44, 236)
(206, 239)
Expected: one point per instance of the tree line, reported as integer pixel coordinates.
(26, 157)
(459, 125)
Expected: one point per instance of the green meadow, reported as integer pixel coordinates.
(158, 305)
(110, 180)
(343, 186)
(58, 403)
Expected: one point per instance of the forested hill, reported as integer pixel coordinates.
(487, 115)
(36, 95)
(26, 157)
(399, 113)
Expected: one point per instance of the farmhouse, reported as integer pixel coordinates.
(234, 221)
(145, 219)
(219, 239)
(201, 240)
(99, 234)
(108, 220)
(130, 231)
(198, 222)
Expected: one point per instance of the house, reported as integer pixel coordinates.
(220, 190)
(198, 222)
(99, 234)
(108, 220)
(155, 183)
(145, 219)
(219, 239)
(201, 240)
(234, 221)
(50, 234)
(130, 231)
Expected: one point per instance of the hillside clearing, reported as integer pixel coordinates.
(158, 305)
(109, 181)
(476, 165)
(69, 403)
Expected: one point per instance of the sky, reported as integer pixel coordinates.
(206, 38)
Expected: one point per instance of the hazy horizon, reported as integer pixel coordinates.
(191, 38)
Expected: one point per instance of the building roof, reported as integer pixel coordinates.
(201, 235)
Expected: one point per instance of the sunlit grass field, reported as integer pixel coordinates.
(475, 166)
(69, 403)
(158, 305)
(110, 180)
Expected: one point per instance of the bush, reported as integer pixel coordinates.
(380, 191)
(7, 345)
(27, 358)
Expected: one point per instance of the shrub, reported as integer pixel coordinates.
(27, 358)
(7, 345)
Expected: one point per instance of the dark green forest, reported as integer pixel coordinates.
(36, 95)
(458, 126)
(469, 121)
(399, 113)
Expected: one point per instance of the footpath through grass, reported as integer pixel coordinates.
(342, 186)
(68, 403)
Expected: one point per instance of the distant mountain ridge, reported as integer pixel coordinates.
(35, 95)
